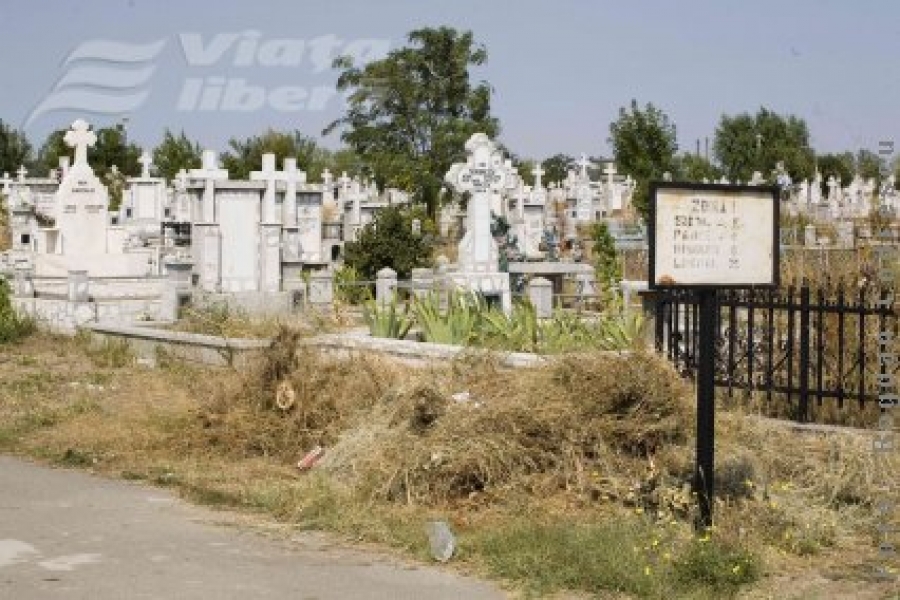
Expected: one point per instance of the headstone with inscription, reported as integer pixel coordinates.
(82, 209)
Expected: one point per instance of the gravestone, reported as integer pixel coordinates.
(385, 285)
(321, 288)
(485, 175)
(540, 294)
(809, 236)
(82, 209)
(845, 234)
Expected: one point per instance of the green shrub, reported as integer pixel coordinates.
(347, 286)
(13, 326)
(720, 566)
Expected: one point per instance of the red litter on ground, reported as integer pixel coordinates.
(311, 458)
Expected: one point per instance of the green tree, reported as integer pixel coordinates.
(389, 241)
(411, 112)
(840, 166)
(644, 146)
(176, 153)
(745, 143)
(244, 156)
(557, 167)
(869, 164)
(524, 168)
(15, 149)
(692, 167)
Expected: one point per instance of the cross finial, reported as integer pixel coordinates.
(610, 171)
(181, 180)
(146, 160)
(22, 172)
(327, 177)
(584, 163)
(5, 180)
(80, 138)
(538, 172)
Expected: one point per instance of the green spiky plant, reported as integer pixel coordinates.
(388, 319)
(458, 324)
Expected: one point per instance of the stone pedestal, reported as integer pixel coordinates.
(422, 282)
(540, 293)
(845, 234)
(78, 290)
(385, 285)
(321, 288)
(24, 281)
(809, 235)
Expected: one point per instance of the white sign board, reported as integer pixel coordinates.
(713, 235)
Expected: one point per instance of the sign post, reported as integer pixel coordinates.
(707, 237)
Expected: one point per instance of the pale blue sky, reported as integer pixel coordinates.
(560, 69)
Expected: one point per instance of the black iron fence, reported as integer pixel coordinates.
(800, 346)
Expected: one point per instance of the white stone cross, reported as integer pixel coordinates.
(291, 176)
(146, 160)
(326, 178)
(610, 172)
(181, 180)
(6, 180)
(210, 172)
(80, 138)
(584, 163)
(269, 174)
(344, 182)
(22, 172)
(538, 172)
(485, 174)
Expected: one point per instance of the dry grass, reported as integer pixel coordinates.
(592, 440)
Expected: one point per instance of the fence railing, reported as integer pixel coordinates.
(801, 345)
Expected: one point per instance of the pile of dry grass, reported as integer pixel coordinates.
(480, 432)
(463, 430)
(291, 401)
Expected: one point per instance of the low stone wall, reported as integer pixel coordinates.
(410, 352)
(148, 343)
(63, 316)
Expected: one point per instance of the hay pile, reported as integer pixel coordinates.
(482, 433)
(290, 402)
(463, 431)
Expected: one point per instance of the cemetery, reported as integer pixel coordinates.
(651, 374)
(164, 284)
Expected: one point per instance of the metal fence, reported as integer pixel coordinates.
(799, 345)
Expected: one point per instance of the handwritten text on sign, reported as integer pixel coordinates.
(714, 237)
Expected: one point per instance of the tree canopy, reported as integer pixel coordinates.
(15, 149)
(692, 167)
(244, 156)
(746, 143)
(644, 146)
(556, 167)
(174, 154)
(410, 113)
(389, 241)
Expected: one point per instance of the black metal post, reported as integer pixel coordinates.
(706, 406)
(803, 400)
